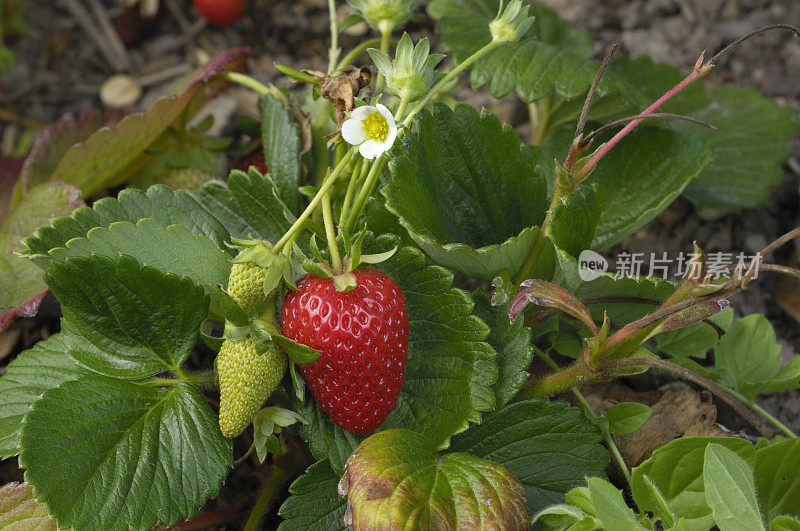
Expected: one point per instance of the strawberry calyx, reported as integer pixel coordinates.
(343, 277)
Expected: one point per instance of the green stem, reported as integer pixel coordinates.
(590, 412)
(540, 116)
(366, 190)
(401, 109)
(446, 79)
(157, 381)
(249, 82)
(763, 412)
(327, 216)
(319, 148)
(358, 50)
(355, 176)
(323, 190)
(297, 75)
(272, 485)
(386, 33)
(333, 53)
(201, 379)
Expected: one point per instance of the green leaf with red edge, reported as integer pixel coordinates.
(56, 140)
(21, 285)
(108, 156)
(396, 477)
(20, 510)
(450, 369)
(10, 169)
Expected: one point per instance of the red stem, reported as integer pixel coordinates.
(698, 71)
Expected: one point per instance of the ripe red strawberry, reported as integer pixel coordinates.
(220, 12)
(256, 159)
(362, 336)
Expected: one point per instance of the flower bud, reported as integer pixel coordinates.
(385, 15)
(511, 22)
(411, 73)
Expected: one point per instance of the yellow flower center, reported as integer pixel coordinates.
(376, 127)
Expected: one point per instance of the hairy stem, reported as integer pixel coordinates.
(358, 50)
(446, 79)
(591, 414)
(763, 412)
(366, 191)
(329, 233)
(315, 201)
(722, 393)
(272, 485)
(333, 53)
(386, 34)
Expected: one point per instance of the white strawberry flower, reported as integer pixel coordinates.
(370, 128)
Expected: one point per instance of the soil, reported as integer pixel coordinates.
(61, 70)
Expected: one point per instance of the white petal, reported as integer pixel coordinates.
(386, 114)
(371, 149)
(353, 131)
(390, 137)
(359, 113)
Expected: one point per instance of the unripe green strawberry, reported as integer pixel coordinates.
(246, 379)
(246, 283)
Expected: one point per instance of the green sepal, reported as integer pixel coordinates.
(377, 258)
(298, 384)
(236, 333)
(230, 309)
(213, 342)
(264, 424)
(345, 282)
(297, 353)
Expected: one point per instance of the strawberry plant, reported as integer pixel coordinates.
(418, 268)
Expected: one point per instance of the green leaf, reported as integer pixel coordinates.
(643, 174)
(450, 369)
(551, 57)
(549, 447)
(299, 354)
(627, 417)
(20, 279)
(396, 477)
(574, 219)
(172, 250)
(512, 342)
(33, 372)
(19, 510)
(676, 470)
(611, 509)
(467, 192)
(777, 481)
(314, 502)
(785, 523)
(751, 142)
(165, 206)
(126, 320)
(281, 142)
(730, 490)
(248, 206)
(694, 340)
(109, 454)
(748, 358)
